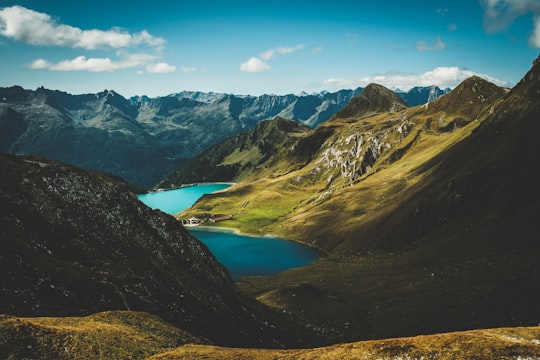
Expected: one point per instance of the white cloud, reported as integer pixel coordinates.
(437, 45)
(452, 27)
(37, 28)
(269, 54)
(289, 49)
(82, 63)
(500, 14)
(160, 68)
(188, 70)
(317, 50)
(535, 37)
(258, 64)
(40, 64)
(441, 76)
(254, 64)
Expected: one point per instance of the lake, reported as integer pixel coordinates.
(242, 255)
(174, 201)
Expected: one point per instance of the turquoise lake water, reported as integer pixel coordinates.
(174, 201)
(242, 255)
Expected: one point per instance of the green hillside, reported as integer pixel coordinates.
(426, 216)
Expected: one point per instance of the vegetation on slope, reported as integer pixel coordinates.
(503, 343)
(134, 335)
(238, 157)
(108, 335)
(427, 217)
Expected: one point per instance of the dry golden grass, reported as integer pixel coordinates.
(505, 343)
(108, 335)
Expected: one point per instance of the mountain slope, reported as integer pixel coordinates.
(241, 155)
(75, 243)
(131, 335)
(275, 147)
(426, 216)
(374, 99)
(419, 95)
(105, 131)
(111, 335)
(505, 343)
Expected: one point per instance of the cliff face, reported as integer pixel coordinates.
(75, 243)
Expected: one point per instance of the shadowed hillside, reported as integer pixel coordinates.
(74, 243)
(426, 214)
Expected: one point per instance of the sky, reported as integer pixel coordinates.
(158, 47)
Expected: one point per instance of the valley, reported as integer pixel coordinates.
(425, 217)
(425, 214)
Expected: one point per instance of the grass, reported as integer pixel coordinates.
(403, 256)
(135, 335)
(502, 343)
(108, 335)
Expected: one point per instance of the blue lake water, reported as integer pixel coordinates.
(253, 255)
(174, 201)
(242, 255)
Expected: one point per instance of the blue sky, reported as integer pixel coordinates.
(158, 47)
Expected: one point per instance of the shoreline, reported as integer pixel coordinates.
(190, 185)
(239, 232)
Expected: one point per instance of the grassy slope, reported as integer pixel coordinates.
(108, 335)
(503, 343)
(137, 335)
(439, 238)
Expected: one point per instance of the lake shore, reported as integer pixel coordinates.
(190, 185)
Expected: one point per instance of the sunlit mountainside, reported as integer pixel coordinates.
(425, 213)
(425, 217)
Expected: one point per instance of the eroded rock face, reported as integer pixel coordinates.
(76, 243)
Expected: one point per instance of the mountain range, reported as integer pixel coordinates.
(142, 139)
(425, 217)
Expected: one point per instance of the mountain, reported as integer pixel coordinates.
(426, 214)
(420, 95)
(279, 145)
(241, 155)
(106, 132)
(94, 131)
(375, 99)
(74, 243)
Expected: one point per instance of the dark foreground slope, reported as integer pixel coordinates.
(75, 243)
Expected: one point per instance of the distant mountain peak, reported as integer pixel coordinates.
(374, 99)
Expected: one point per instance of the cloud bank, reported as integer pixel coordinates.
(39, 29)
(442, 77)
